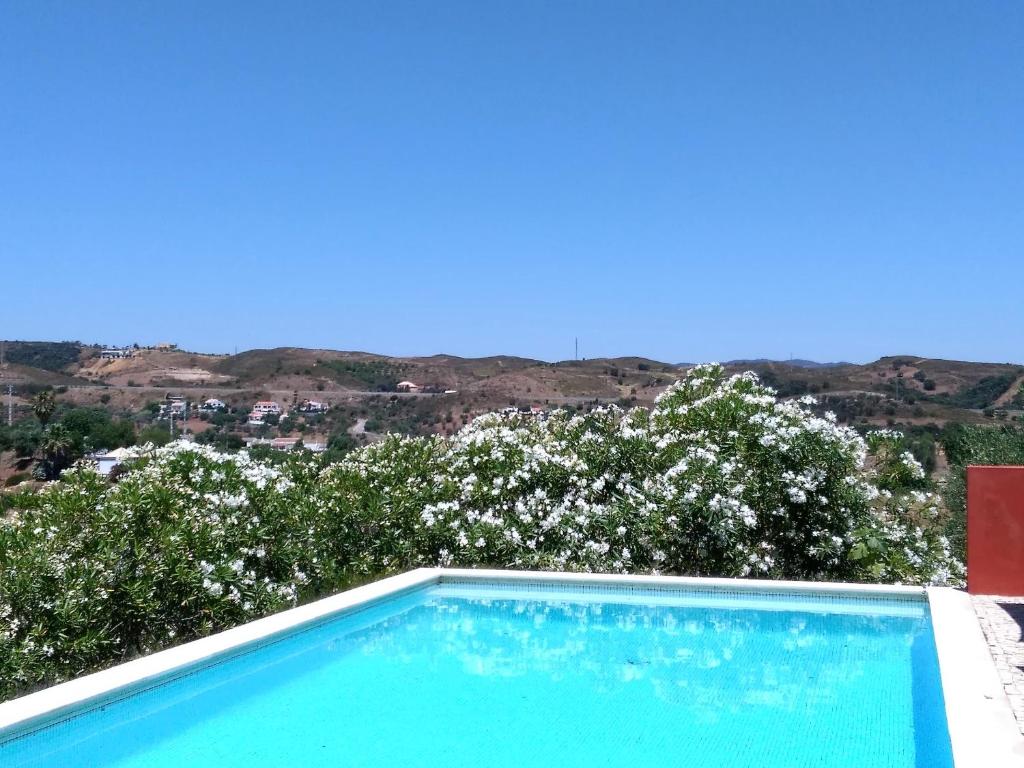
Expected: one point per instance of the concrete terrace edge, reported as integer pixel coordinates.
(982, 728)
(981, 724)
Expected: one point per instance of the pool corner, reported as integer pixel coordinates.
(982, 728)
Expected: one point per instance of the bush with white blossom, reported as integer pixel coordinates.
(719, 478)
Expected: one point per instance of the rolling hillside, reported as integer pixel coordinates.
(902, 388)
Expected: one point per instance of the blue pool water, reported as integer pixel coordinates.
(490, 675)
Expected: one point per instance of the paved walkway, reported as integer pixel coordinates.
(1002, 620)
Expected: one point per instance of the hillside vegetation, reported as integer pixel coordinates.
(918, 395)
(965, 445)
(56, 356)
(942, 385)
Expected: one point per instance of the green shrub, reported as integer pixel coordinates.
(17, 478)
(981, 395)
(154, 435)
(719, 478)
(966, 445)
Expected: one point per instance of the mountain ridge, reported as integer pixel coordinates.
(917, 388)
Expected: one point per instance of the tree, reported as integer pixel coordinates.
(93, 429)
(56, 447)
(154, 435)
(22, 438)
(339, 444)
(43, 406)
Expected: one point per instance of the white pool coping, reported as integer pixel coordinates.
(982, 728)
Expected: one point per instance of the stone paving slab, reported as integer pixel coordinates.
(1002, 621)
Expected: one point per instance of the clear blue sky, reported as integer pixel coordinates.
(682, 180)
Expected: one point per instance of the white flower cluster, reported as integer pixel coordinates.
(189, 541)
(720, 477)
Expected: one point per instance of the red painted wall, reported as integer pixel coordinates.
(995, 530)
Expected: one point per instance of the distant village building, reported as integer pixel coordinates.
(176, 408)
(106, 461)
(213, 404)
(112, 353)
(263, 408)
(285, 444)
(313, 406)
(408, 386)
(165, 346)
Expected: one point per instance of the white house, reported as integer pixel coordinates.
(174, 405)
(106, 460)
(285, 443)
(313, 406)
(213, 404)
(262, 408)
(407, 386)
(113, 353)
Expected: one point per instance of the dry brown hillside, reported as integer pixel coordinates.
(902, 388)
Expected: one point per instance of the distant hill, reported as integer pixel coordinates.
(56, 356)
(796, 363)
(898, 389)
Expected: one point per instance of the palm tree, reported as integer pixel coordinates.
(43, 406)
(56, 447)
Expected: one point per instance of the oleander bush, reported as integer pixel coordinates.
(719, 478)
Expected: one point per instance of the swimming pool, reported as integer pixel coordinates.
(460, 668)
